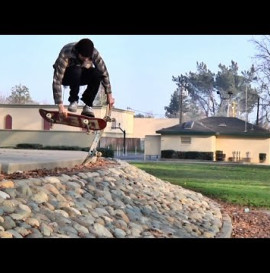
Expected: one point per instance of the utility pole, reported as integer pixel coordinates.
(258, 106)
(246, 112)
(180, 104)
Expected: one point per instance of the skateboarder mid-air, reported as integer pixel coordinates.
(79, 63)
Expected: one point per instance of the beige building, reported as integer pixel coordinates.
(23, 124)
(227, 139)
(236, 140)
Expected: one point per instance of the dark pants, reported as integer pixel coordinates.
(76, 76)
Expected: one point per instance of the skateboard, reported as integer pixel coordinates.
(81, 121)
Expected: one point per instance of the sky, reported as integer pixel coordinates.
(140, 66)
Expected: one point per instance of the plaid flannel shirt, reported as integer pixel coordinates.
(68, 57)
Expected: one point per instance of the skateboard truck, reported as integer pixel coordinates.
(87, 126)
(49, 116)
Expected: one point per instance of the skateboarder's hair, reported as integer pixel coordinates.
(85, 47)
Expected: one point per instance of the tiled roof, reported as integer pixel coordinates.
(216, 126)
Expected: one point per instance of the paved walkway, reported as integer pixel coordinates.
(13, 160)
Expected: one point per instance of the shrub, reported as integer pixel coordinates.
(106, 152)
(29, 146)
(63, 147)
(195, 155)
(167, 153)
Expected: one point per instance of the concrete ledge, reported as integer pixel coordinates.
(15, 167)
(226, 230)
(13, 160)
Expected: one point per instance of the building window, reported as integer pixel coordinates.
(185, 140)
(8, 122)
(188, 124)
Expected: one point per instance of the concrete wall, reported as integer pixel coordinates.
(10, 138)
(229, 145)
(243, 145)
(22, 118)
(198, 143)
(27, 117)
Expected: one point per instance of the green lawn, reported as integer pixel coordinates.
(247, 185)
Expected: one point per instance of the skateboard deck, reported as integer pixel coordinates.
(75, 120)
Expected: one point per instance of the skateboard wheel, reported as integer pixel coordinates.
(85, 121)
(49, 115)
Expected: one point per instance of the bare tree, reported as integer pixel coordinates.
(20, 95)
(262, 67)
(3, 99)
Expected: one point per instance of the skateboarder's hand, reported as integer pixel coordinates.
(62, 110)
